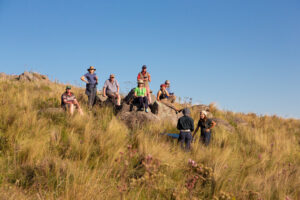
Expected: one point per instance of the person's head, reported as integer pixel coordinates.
(162, 86)
(91, 70)
(140, 83)
(112, 77)
(144, 68)
(203, 114)
(167, 83)
(186, 112)
(68, 89)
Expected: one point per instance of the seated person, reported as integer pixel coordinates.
(140, 93)
(162, 93)
(68, 101)
(111, 89)
(171, 96)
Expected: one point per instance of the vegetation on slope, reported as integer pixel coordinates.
(54, 156)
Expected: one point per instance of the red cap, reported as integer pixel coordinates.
(162, 85)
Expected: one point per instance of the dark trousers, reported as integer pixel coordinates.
(91, 92)
(205, 137)
(185, 138)
(143, 102)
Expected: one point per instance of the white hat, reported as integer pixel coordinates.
(204, 112)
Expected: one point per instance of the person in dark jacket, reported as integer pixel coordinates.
(206, 125)
(186, 126)
(91, 81)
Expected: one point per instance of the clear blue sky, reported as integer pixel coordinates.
(244, 55)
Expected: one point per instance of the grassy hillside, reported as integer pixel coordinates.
(55, 156)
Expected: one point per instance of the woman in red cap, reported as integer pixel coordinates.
(162, 93)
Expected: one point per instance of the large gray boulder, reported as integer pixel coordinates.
(158, 112)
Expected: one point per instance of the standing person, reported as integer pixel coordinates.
(171, 97)
(186, 126)
(146, 78)
(206, 125)
(91, 81)
(68, 101)
(141, 94)
(111, 89)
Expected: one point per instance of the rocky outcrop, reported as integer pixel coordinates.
(26, 76)
(158, 112)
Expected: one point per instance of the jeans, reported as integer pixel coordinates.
(91, 92)
(143, 102)
(185, 138)
(205, 137)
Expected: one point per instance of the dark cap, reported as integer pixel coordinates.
(144, 67)
(68, 87)
(186, 111)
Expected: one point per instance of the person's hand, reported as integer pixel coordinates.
(207, 130)
(104, 95)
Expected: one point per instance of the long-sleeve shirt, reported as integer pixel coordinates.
(185, 123)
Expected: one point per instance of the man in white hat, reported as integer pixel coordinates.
(91, 81)
(206, 125)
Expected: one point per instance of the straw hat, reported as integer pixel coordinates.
(140, 82)
(91, 68)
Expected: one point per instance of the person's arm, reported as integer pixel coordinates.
(96, 77)
(83, 79)
(192, 125)
(118, 88)
(149, 78)
(104, 91)
(135, 93)
(167, 93)
(178, 124)
(158, 95)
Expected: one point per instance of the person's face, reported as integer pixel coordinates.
(92, 71)
(202, 116)
(68, 90)
(141, 85)
(167, 84)
(144, 69)
(112, 78)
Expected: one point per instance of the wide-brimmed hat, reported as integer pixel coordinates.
(140, 82)
(68, 87)
(91, 68)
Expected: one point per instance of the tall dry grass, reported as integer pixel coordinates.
(46, 155)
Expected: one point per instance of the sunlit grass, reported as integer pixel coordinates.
(96, 156)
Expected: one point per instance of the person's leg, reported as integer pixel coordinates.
(78, 107)
(207, 138)
(145, 101)
(94, 96)
(141, 103)
(181, 139)
(188, 140)
(148, 94)
(71, 109)
(119, 100)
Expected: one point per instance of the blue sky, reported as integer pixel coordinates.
(243, 55)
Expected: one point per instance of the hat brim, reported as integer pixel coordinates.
(91, 69)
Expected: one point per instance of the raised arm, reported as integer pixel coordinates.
(104, 91)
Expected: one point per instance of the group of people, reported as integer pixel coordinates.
(185, 125)
(142, 95)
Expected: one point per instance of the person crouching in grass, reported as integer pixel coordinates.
(140, 93)
(68, 101)
(206, 125)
